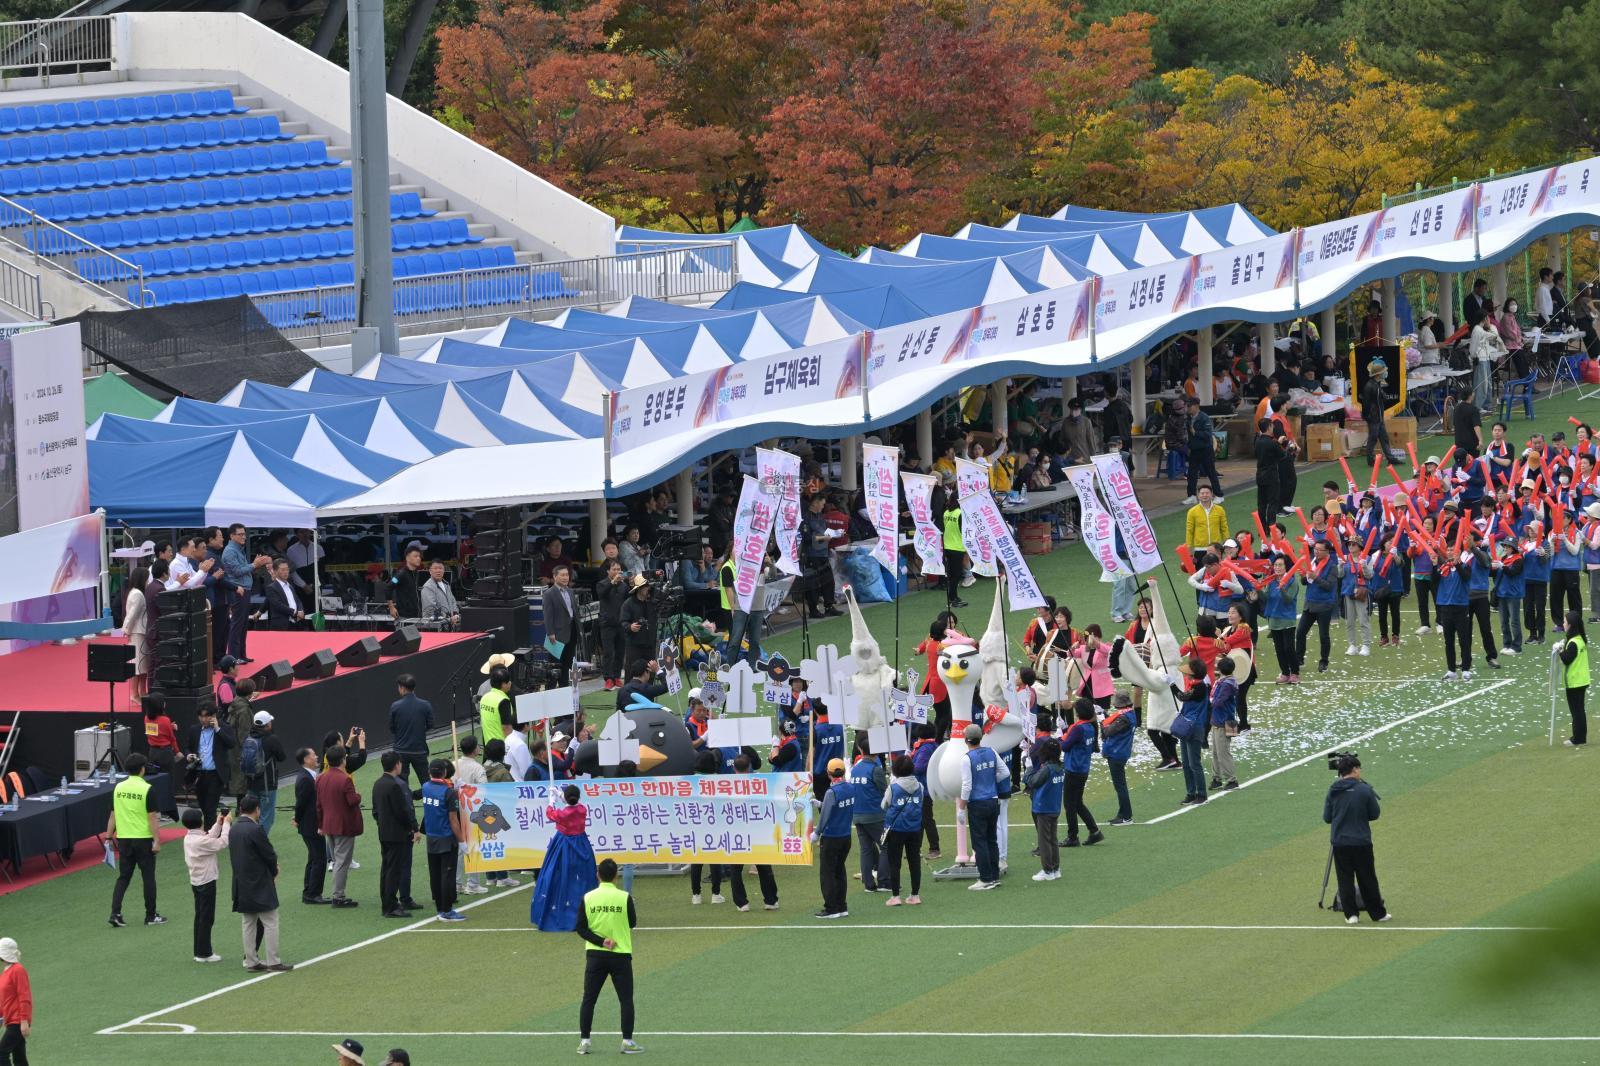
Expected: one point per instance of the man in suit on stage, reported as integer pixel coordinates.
(283, 606)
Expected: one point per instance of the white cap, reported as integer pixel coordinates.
(263, 718)
(1230, 543)
(559, 737)
(9, 952)
(694, 694)
(1432, 460)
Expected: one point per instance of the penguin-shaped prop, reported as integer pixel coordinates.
(664, 746)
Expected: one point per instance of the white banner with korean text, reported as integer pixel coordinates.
(779, 475)
(979, 511)
(879, 464)
(972, 479)
(1144, 552)
(1099, 528)
(752, 526)
(926, 535)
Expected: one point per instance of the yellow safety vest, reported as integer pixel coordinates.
(606, 911)
(489, 722)
(728, 573)
(131, 803)
(952, 530)
(1578, 669)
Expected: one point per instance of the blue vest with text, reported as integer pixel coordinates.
(983, 774)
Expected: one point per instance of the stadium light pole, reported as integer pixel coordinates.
(369, 144)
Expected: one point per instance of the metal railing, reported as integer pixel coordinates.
(464, 299)
(63, 251)
(20, 291)
(42, 47)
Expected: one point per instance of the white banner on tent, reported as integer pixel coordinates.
(922, 343)
(1229, 274)
(1508, 201)
(1437, 219)
(1137, 295)
(1332, 245)
(779, 475)
(972, 479)
(879, 464)
(1144, 552)
(926, 535)
(1096, 523)
(59, 557)
(748, 390)
(979, 511)
(752, 526)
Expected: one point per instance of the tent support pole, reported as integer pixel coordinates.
(316, 571)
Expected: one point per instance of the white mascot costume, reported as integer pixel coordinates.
(874, 677)
(1002, 730)
(1153, 666)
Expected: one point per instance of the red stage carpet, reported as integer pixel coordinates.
(85, 856)
(53, 677)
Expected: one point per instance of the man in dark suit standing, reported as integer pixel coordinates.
(255, 891)
(208, 743)
(560, 614)
(306, 822)
(410, 718)
(397, 832)
(283, 606)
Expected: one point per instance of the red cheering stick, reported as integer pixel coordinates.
(1558, 521)
(1301, 514)
(1367, 548)
(1411, 450)
(1302, 566)
(1574, 421)
(1349, 478)
(1260, 528)
(1444, 460)
(1377, 468)
(1243, 539)
(1186, 558)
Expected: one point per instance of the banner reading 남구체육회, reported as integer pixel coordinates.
(716, 818)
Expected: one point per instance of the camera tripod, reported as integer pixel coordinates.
(1327, 872)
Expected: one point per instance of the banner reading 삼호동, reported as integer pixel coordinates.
(925, 535)
(879, 464)
(1095, 522)
(779, 475)
(752, 527)
(1144, 552)
(716, 818)
(971, 480)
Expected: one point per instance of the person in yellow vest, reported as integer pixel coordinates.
(494, 706)
(1206, 523)
(605, 922)
(745, 625)
(1575, 664)
(135, 828)
(955, 575)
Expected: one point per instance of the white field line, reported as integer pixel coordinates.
(919, 1034)
(1386, 927)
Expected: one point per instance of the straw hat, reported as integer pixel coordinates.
(503, 658)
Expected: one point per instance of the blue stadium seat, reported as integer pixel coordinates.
(183, 105)
(166, 106)
(27, 118)
(125, 109)
(105, 112)
(231, 285)
(144, 108)
(347, 242)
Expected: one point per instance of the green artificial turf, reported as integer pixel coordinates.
(1203, 941)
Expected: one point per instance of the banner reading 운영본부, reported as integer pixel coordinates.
(717, 818)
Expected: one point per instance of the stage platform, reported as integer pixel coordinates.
(49, 685)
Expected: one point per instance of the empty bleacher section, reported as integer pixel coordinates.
(229, 176)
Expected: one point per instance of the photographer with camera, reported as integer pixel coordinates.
(1350, 808)
(638, 616)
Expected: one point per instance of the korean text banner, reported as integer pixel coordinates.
(926, 534)
(779, 475)
(716, 818)
(879, 466)
(46, 478)
(752, 526)
(1138, 295)
(749, 390)
(1137, 535)
(972, 479)
(1228, 274)
(979, 511)
(1098, 527)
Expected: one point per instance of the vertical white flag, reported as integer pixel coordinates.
(779, 475)
(926, 534)
(971, 480)
(879, 465)
(752, 526)
(1096, 523)
(979, 511)
(1137, 535)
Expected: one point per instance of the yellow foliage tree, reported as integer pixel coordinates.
(1327, 142)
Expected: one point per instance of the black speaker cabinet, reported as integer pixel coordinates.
(403, 641)
(511, 621)
(317, 665)
(363, 652)
(274, 677)
(110, 662)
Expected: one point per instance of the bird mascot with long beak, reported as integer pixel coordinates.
(1153, 665)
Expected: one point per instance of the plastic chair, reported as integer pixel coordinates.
(1517, 391)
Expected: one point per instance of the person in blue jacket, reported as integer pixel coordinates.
(1194, 707)
(866, 773)
(1453, 571)
(1116, 747)
(835, 823)
(1536, 559)
(1322, 599)
(1389, 585)
(1478, 576)
(902, 807)
(705, 763)
(1280, 606)
(922, 749)
(786, 757)
(828, 745)
(1045, 782)
(1509, 589)
(1078, 743)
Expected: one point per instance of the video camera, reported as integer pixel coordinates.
(679, 544)
(1335, 756)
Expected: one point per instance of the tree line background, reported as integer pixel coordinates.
(867, 121)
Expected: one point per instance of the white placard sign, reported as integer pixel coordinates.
(818, 673)
(882, 739)
(778, 474)
(749, 731)
(738, 683)
(544, 705)
(41, 381)
(774, 593)
(617, 742)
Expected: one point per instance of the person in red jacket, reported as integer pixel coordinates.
(16, 1005)
(339, 816)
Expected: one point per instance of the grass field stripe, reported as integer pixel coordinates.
(645, 1037)
(1368, 735)
(827, 926)
(258, 978)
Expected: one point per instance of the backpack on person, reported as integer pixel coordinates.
(250, 756)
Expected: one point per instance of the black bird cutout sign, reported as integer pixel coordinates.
(664, 746)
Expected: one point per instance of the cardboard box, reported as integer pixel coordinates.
(1402, 430)
(1323, 442)
(1034, 538)
(1355, 440)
